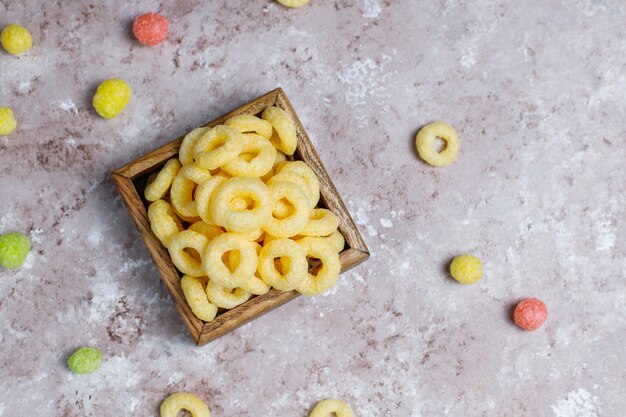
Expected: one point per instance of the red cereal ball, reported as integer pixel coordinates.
(150, 28)
(530, 313)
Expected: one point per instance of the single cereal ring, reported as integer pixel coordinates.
(185, 153)
(186, 263)
(182, 196)
(208, 230)
(530, 314)
(307, 174)
(203, 197)
(322, 222)
(158, 187)
(300, 182)
(283, 209)
(425, 141)
(245, 220)
(195, 173)
(293, 260)
(284, 136)
(196, 297)
(298, 216)
(327, 407)
(247, 123)
(466, 269)
(221, 274)
(263, 156)
(218, 146)
(163, 221)
(327, 275)
(184, 401)
(252, 235)
(226, 297)
(255, 285)
(335, 239)
(280, 157)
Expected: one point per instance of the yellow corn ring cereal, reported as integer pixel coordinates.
(332, 406)
(307, 174)
(240, 203)
(293, 4)
(322, 222)
(221, 274)
(196, 297)
(283, 209)
(300, 182)
(263, 157)
(298, 217)
(7, 121)
(160, 185)
(195, 173)
(425, 141)
(225, 297)
(336, 240)
(280, 157)
(184, 401)
(247, 123)
(245, 220)
(252, 236)
(163, 221)
(186, 263)
(182, 196)
(293, 260)
(217, 147)
(327, 275)
(203, 197)
(284, 137)
(255, 285)
(185, 153)
(208, 230)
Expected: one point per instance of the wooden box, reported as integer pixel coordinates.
(131, 178)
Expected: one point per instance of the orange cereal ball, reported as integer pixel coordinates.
(530, 314)
(150, 28)
(16, 39)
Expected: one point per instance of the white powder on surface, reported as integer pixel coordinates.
(386, 223)
(578, 403)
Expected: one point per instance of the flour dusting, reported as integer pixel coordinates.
(372, 9)
(579, 403)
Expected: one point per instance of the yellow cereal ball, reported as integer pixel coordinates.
(15, 39)
(293, 3)
(466, 269)
(111, 98)
(7, 121)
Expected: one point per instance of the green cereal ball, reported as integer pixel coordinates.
(466, 269)
(85, 360)
(13, 250)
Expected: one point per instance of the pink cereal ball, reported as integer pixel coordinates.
(530, 313)
(150, 28)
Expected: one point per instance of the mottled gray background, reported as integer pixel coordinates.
(537, 91)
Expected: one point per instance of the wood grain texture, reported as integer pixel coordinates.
(129, 177)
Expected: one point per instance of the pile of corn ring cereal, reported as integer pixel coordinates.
(239, 218)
